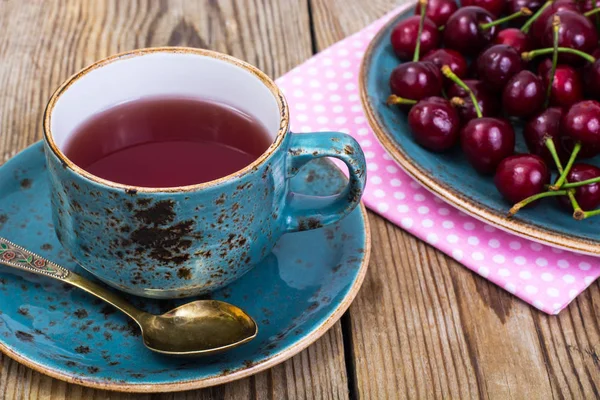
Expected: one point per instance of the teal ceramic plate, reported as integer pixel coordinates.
(449, 175)
(295, 295)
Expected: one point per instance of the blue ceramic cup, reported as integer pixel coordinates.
(185, 241)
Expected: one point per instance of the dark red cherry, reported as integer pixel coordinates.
(566, 86)
(544, 67)
(587, 196)
(539, 25)
(523, 95)
(416, 80)
(404, 37)
(591, 79)
(488, 102)
(496, 7)
(497, 64)
(521, 176)
(463, 31)
(581, 123)
(486, 142)
(541, 126)
(439, 10)
(576, 32)
(514, 38)
(451, 58)
(513, 6)
(588, 5)
(434, 123)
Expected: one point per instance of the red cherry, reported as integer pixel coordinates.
(434, 123)
(416, 80)
(487, 101)
(496, 7)
(523, 95)
(539, 25)
(439, 10)
(591, 79)
(513, 37)
(463, 31)
(497, 64)
(566, 86)
(575, 31)
(521, 176)
(404, 37)
(582, 123)
(513, 6)
(541, 126)
(587, 196)
(451, 58)
(486, 142)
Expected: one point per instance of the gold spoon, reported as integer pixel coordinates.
(198, 328)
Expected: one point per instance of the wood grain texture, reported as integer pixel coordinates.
(423, 326)
(44, 42)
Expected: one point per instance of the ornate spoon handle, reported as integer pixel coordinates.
(15, 256)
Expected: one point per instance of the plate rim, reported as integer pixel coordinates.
(515, 226)
(240, 373)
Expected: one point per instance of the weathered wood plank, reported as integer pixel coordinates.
(423, 326)
(42, 43)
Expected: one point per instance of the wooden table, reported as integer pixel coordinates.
(422, 326)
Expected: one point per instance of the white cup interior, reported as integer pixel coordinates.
(158, 73)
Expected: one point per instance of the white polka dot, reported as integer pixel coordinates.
(542, 262)
(510, 287)
(356, 108)
(423, 210)
(562, 264)
(489, 228)
(538, 304)
(318, 108)
(415, 185)
(419, 197)
(584, 266)
(362, 131)
(395, 182)
(477, 256)
(375, 180)
(302, 117)
(345, 64)
(360, 53)
(340, 120)
(406, 222)
(330, 73)
(494, 243)
(483, 271)
(350, 86)
(322, 119)
(337, 109)
(503, 272)
(452, 238)
(399, 195)
(536, 246)
(520, 260)
(357, 43)
(332, 86)
(342, 52)
(469, 226)
(300, 106)
(369, 154)
(306, 128)
(553, 292)
(473, 240)
(427, 223)
(443, 211)
(312, 71)
(568, 278)
(335, 98)
(457, 254)
(391, 169)
(448, 224)
(365, 143)
(297, 80)
(557, 307)
(514, 245)
(298, 93)
(402, 208)
(317, 96)
(432, 238)
(327, 61)
(379, 193)
(531, 289)
(498, 259)
(372, 166)
(314, 83)
(382, 207)
(557, 251)
(525, 275)
(347, 75)
(573, 293)
(386, 156)
(437, 200)
(359, 120)
(589, 280)
(548, 277)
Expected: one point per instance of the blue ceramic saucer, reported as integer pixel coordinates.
(296, 294)
(449, 175)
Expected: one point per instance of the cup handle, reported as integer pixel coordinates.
(303, 212)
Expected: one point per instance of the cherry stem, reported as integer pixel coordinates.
(585, 214)
(523, 12)
(441, 28)
(555, 28)
(576, 208)
(393, 99)
(452, 76)
(563, 176)
(514, 209)
(592, 12)
(590, 181)
(423, 4)
(457, 102)
(530, 21)
(550, 145)
(529, 55)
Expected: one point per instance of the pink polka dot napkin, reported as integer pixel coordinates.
(323, 96)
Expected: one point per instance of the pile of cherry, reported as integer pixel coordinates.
(539, 67)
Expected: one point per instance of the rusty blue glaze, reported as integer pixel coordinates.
(168, 244)
(295, 293)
